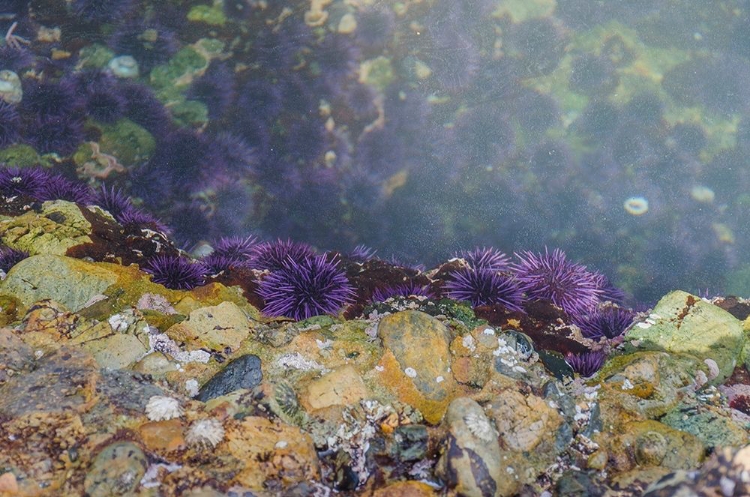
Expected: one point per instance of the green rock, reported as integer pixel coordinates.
(128, 142)
(19, 156)
(714, 427)
(685, 324)
(180, 70)
(117, 470)
(190, 113)
(212, 15)
(95, 56)
(59, 226)
(116, 351)
(70, 282)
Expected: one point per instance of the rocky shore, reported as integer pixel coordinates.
(111, 384)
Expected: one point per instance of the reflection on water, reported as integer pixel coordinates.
(615, 130)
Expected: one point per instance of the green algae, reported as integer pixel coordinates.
(127, 141)
(20, 155)
(94, 56)
(211, 15)
(180, 70)
(190, 113)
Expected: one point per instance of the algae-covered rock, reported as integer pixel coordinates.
(341, 387)
(645, 385)
(128, 142)
(214, 328)
(116, 351)
(71, 282)
(713, 426)
(117, 470)
(684, 324)
(416, 364)
(59, 226)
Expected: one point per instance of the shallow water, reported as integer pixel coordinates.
(616, 131)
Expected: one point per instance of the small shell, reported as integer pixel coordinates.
(10, 87)
(160, 408)
(205, 433)
(124, 66)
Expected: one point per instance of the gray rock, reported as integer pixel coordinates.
(117, 470)
(243, 372)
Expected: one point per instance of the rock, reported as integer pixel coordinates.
(724, 474)
(685, 324)
(71, 282)
(471, 463)
(651, 443)
(155, 364)
(405, 489)
(274, 453)
(416, 364)
(713, 426)
(64, 380)
(341, 387)
(410, 442)
(243, 372)
(58, 227)
(644, 385)
(116, 351)
(215, 328)
(163, 436)
(15, 355)
(523, 421)
(117, 470)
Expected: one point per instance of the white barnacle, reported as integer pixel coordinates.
(480, 426)
(205, 433)
(161, 408)
(410, 372)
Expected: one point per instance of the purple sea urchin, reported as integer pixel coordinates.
(307, 288)
(550, 276)
(101, 10)
(22, 181)
(485, 287)
(10, 123)
(57, 187)
(60, 135)
(486, 258)
(606, 322)
(236, 247)
(9, 257)
(274, 255)
(586, 363)
(177, 273)
(361, 253)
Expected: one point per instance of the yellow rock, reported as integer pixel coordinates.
(163, 436)
(272, 450)
(341, 387)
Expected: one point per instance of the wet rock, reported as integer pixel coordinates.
(243, 372)
(163, 436)
(71, 282)
(684, 324)
(651, 443)
(116, 351)
(713, 426)
(724, 474)
(645, 385)
(405, 489)
(155, 364)
(473, 358)
(416, 364)
(273, 452)
(117, 470)
(64, 380)
(471, 463)
(15, 355)
(214, 328)
(523, 421)
(410, 442)
(341, 387)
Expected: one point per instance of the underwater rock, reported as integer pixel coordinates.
(416, 363)
(684, 324)
(10, 87)
(341, 387)
(243, 372)
(71, 282)
(471, 463)
(117, 470)
(214, 328)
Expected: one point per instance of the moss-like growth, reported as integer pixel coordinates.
(179, 71)
(19, 156)
(211, 15)
(127, 141)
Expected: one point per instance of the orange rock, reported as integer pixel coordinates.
(163, 436)
(273, 451)
(8, 483)
(341, 387)
(405, 489)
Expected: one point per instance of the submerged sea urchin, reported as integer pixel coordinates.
(551, 276)
(485, 287)
(177, 273)
(306, 288)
